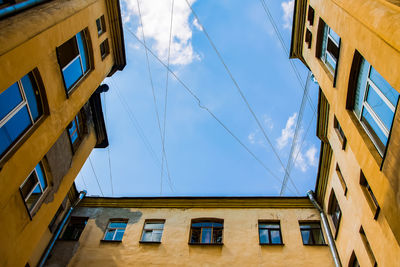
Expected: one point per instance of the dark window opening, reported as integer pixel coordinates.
(368, 247)
(74, 228)
(101, 25)
(207, 231)
(270, 233)
(311, 233)
(334, 211)
(339, 132)
(308, 39)
(310, 15)
(341, 178)
(104, 49)
(353, 261)
(369, 195)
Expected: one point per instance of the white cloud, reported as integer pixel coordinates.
(251, 138)
(304, 161)
(287, 13)
(311, 156)
(268, 122)
(287, 133)
(156, 18)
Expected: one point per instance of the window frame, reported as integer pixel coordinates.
(269, 229)
(102, 21)
(367, 247)
(340, 133)
(369, 196)
(206, 220)
(33, 210)
(309, 229)
(81, 229)
(152, 221)
(41, 100)
(333, 210)
(79, 125)
(108, 229)
(341, 179)
(353, 260)
(88, 55)
(106, 46)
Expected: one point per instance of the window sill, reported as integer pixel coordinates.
(150, 242)
(315, 245)
(267, 244)
(206, 244)
(111, 241)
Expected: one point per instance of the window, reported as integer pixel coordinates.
(52, 223)
(339, 132)
(101, 25)
(75, 131)
(334, 211)
(115, 230)
(311, 233)
(375, 103)
(369, 195)
(104, 49)
(20, 108)
(341, 179)
(73, 58)
(152, 231)
(74, 228)
(330, 45)
(206, 231)
(308, 39)
(310, 15)
(33, 187)
(270, 233)
(368, 247)
(353, 261)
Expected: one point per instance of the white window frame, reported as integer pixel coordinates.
(152, 231)
(33, 187)
(325, 49)
(117, 229)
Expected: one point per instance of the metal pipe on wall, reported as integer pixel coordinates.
(49, 248)
(7, 11)
(331, 242)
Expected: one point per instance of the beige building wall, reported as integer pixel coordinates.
(240, 234)
(28, 41)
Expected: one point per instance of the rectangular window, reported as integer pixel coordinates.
(341, 179)
(206, 231)
(33, 187)
(334, 211)
(152, 231)
(375, 103)
(330, 46)
(339, 132)
(20, 107)
(115, 230)
(311, 233)
(104, 49)
(75, 131)
(73, 58)
(308, 39)
(74, 228)
(101, 25)
(270, 233)
(310, 15)
(368, 247)
(369, 195)
(353, 261)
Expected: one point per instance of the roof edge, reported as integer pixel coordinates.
(298, 24)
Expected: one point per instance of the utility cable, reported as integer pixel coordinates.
(83, 179)
(277, 32)
(154, 96)
(206, 109)
(296, 135)
(166, 93)
(108, 147)
(97, 180)
(238, 89)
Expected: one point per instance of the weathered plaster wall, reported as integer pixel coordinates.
(240, 237)
(28, 41)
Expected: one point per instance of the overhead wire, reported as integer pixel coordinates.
(138, 128)
(205, 108)
(97, 180)
(108, 147)
(239, 90)
(83, 180)
(154, 96)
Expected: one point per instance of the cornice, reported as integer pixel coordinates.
(299, 20)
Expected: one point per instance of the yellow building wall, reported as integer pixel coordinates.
(373, 28)
(29, 41)
(240, 239)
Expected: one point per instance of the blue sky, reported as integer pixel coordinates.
(203, 158)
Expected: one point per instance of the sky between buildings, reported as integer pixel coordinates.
(203, 158)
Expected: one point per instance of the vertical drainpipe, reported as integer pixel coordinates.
(328, 232)
(49, 248)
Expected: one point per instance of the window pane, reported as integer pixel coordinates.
(275, 237)
(361, 85)
(41, 177)
(206, 235)
(157, 235)
(330, 61)
(67, 52)
(195, 237)
(217, 235)
(82, 50)
(98, 24)
(29, 184)
(264, 239)
(9, 99)
(147, 236)
(109, 235)
(72, 130)
(17, 124)
(154, 226)
(117, 225)
(32, 96)
(324, 42)
(380, 108)
(384, 86)
(305, 234)
(318, 237)
(72, 73)
(271, 226)
(119, 234)
(373, 126)
(334, 36)
(33, 198)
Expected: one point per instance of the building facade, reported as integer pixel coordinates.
(353, 50)
(190, 231)
(54, 56)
